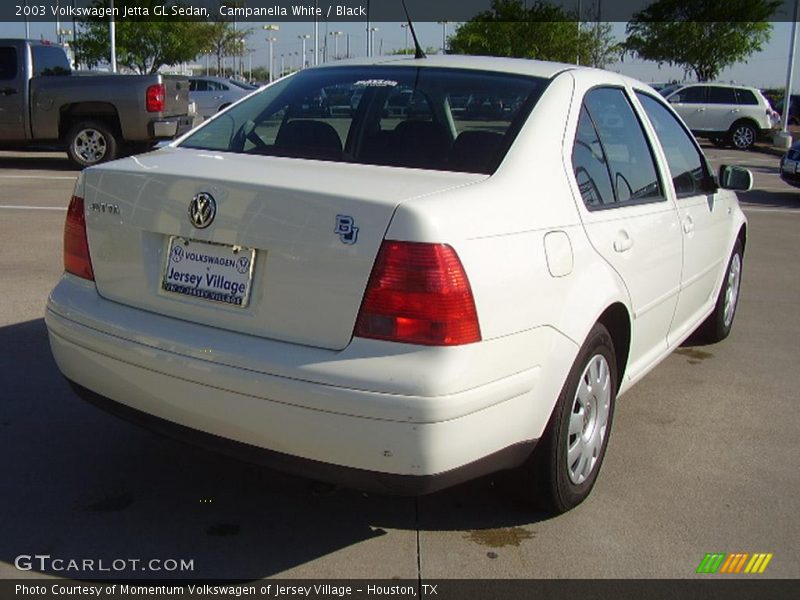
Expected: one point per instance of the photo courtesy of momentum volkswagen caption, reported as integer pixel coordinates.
(350, 276)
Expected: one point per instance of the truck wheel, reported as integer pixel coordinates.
(90, 143)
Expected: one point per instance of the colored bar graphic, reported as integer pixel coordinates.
(758, 564)
(722, 563)
(711, 563)
(734, 563)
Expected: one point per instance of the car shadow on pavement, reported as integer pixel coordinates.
(789, 199)
(81, 484)
(35, 161)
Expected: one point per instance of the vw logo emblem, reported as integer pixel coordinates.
(202, 210)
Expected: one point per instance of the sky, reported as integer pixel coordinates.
(764, 69)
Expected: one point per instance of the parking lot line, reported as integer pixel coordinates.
(20, 207)
(38, 176)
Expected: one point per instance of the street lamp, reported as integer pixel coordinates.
(271, 39)
(61, 34)
(303, 37)
(405, 28)
(444, 35)
(336, 35)
(371, 33)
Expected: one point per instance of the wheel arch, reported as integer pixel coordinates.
(71, 114)
(616, 319)
(744, 121)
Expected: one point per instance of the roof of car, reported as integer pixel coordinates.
(520, 66)
(715, 84)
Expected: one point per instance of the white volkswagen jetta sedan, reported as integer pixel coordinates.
(402, 301)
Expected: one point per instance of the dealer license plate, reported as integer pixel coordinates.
(215, 272)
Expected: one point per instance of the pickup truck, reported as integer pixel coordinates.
(95, 118)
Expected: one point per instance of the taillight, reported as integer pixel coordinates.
(156, 97)
(418, 294)
(76, 245)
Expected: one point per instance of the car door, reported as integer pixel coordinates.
(705, 214)
(722, 110)
(203, 93)
(628, 218)
(12, 95)
(690, 103)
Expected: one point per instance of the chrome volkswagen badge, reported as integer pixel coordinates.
(202, 210)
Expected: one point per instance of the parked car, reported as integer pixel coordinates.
(397, 303)
(213, 94)
(94, 118)
(790, 165)
(794, 109)
(725, 114)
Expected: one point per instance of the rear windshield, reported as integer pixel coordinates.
(429, 118)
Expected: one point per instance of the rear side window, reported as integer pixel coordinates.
(746, 97)
(8, 64)
(49, 60)
(628, 155)
(590, 165)
(690, 95)
(686, 165)
(721, 95)
(428, 118)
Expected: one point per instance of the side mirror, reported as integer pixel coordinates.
(736, 178)
(676, 99)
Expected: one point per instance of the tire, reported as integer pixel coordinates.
(90, 143)
(743, 135)
(719, 323)
(565, 465)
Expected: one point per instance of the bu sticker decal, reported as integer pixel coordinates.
(346, 228)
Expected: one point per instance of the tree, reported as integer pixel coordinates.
(223, 40)
(691, 35)
(541, 31)
(143, 46)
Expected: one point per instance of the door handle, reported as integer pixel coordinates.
(688, 225)
(8, 91)
(623, 243)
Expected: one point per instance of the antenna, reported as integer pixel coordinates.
(418, 52)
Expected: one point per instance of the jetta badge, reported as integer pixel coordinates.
(202, 210)
(346, 228)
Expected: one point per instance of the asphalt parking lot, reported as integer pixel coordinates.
(702, 457)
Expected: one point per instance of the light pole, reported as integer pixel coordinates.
(61, 34)
(271, 39)
(336, 35)
(112, 30)
(783, 139)
(444, 35)
(283, 65)
(371, 34)
(316, 35)
(405, 28)
(303, 37)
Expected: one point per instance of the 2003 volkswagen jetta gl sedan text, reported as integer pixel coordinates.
(402, 300)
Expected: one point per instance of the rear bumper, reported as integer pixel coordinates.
(296, 412)
(360, 479)
(171, 127)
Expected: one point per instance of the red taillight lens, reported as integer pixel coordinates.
(418, 294)
(76, 246)
(156, 97)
